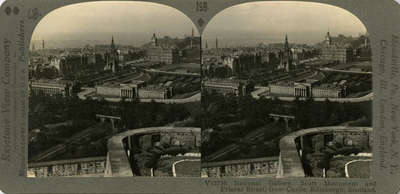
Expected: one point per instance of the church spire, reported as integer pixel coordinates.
(191, 39)
(112, 44)
(154, 39)
(328, 38)
(286, 43)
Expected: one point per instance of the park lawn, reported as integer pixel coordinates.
(188, 169)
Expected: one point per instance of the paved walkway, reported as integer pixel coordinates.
(345, 71)
(346, 169)
(369, 97)
(172, 73)
(184, 160)
(194, 98)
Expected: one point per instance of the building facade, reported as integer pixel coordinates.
(109, 90)
(256, 167)
(152, 92)
(309, 89)
(162, 55)
(169, 50)
(88, 167)
(50, 88)
(336, 52)
(136, 90)
(281, 89)
(226, 86)
(342, 54)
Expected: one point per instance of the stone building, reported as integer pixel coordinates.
(255, 167)
(50, 88)
(74, 167)
(173, 50)
(108, 90)
(227, 86)
(363, 52)
(71, 63)
(245, 61)
(161, 54)
(361, 140)
(341, 53)
(155, 92)
(136, 89)
(182, 138)
(176, 138)
(315, 143)
(329, 92)
(309, 89)
(129, 91)
(111, 90)
(282, 89)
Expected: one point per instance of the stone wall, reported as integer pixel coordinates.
(172, 138)
(357, 139)
(110, 91)
(184, 138)
(76, 167)
(362, 139)
(146, 93)
(326, 93)
(245, 168)
(282, 90)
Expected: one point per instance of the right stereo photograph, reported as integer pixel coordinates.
(286, 92)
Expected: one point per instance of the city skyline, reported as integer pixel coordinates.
(132, 23)
(270, 22)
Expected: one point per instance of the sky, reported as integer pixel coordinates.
(133, 23)
(269, 22)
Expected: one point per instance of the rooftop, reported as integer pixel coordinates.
(328, 86)
(228, 82)
(284, 83)
(54, 82)
(234, 162)
(155, 88)
(110, 84)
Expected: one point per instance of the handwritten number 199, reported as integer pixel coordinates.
(201, 6)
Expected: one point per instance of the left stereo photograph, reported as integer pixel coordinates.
(114, 91)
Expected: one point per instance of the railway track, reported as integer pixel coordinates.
(60, 147)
